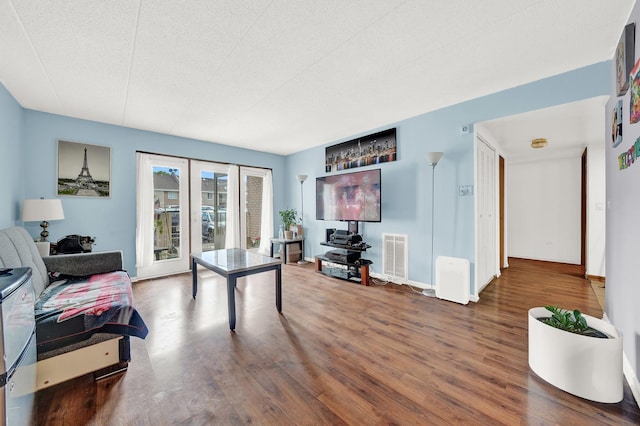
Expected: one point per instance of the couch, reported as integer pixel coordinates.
(84, 309)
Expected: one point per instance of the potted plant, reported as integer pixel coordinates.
(288, 218)
(577, 353)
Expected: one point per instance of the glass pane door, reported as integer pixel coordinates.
(256, 217)
(209, 187)
(163, 203)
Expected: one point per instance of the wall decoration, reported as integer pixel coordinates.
(625, 58)
(616, 124)
(634, 99)
(84, 170)
(628, 158)
(373, 149)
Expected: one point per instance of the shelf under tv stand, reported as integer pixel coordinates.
(356, 270)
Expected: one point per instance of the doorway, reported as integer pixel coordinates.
(566, 222)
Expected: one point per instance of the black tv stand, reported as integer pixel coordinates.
(347, 261)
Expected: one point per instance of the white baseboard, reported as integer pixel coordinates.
(424, 286)
(417, 284)
(399, 281)
(629, 373)
(632, 378)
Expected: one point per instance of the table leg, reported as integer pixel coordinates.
(194, 277)
(231, 301)
(279, 288)
(364, 274)
(284, 252)
(271, 249)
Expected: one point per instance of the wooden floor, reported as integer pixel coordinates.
(340, 353)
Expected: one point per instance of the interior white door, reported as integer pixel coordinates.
(162, 233)
(486, 214)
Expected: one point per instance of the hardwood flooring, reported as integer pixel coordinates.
(340, 353)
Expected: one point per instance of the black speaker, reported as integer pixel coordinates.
(353, 227)
(329, 233)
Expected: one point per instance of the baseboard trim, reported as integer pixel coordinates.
(596, 278)
(632, 379)
(397, 281)
(416, 284)
(629, 373)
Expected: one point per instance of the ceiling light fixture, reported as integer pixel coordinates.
(539, 143)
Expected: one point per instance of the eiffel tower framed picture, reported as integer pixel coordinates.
(84, 170)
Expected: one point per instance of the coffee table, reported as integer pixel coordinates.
(233, 264)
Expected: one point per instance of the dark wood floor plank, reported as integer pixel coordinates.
(339, 353)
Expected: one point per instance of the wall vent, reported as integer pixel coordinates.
(395, 258)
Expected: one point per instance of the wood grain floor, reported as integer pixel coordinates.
(340, 353)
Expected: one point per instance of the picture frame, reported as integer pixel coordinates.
(616, 124)
(625, 58)
(634, 99)
(83, 170)
(365, 151)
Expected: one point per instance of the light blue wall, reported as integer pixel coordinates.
(406, 183)
(113, 221)
(11, 171)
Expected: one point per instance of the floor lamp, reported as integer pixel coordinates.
(432, 158)
(301, 179)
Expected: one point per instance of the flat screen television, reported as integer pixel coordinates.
(349, 196)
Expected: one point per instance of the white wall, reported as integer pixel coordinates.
(543, 206)
(596, 217)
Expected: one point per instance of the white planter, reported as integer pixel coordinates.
(584, 366)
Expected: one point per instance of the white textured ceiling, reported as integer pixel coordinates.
(282, 76)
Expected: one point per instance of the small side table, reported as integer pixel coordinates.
(285, 243)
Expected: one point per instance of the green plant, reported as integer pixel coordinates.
(288, 217)
(571, 321)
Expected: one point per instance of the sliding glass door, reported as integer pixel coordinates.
(188, 206)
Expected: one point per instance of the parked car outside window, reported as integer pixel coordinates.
(209, 224)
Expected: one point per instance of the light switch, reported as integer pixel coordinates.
(464, 190)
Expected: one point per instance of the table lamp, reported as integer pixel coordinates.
(44, 211)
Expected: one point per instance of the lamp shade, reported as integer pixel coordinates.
(42, 210)
(301, 178)
(433, 157)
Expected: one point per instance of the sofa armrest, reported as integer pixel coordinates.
(83, 264)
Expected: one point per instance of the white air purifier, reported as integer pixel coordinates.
(452, 279)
